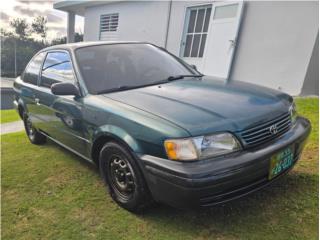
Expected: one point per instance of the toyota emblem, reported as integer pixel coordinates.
(273, 129)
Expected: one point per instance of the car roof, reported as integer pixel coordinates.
(73, 46)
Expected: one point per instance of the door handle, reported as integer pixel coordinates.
(37, 101)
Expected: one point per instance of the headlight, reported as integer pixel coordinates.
(201, 147)
(293, 112)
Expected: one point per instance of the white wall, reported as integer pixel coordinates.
(138, 21)
(275, 44)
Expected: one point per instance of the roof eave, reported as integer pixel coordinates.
(78, 7)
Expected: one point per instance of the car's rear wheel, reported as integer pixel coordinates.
(34, 136)
(126, 184)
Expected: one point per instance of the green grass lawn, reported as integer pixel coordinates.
(9, 116)
(49, 193)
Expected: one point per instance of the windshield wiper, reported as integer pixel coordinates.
(177, 77)
(127, 87)
(120, 88)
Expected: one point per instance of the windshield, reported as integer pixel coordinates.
(113, 66)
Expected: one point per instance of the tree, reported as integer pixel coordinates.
(57, 41)
(39, 27)
(21, 27)
(16, 52)
(78, 37)
(5, 33)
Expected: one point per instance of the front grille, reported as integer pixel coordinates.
(263, 133)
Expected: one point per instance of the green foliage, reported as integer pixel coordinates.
(308, 106)
(39, 26)
(77, 38)
(23, 49)
(5, 33)
(21, 27)
(18, 48)
(50, 193)
(57, 41)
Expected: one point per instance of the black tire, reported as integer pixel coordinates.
(34, 136)
(123, 177)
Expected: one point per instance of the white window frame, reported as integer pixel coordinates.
(186, 26)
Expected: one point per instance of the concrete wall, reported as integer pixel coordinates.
(275, 44)
(311, 81)
(138, 21)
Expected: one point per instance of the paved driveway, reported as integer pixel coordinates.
(11, 127)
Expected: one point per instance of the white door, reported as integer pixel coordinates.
(222, 38)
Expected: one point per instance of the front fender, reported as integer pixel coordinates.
(117, 133)
(18, 105)
(19, 91)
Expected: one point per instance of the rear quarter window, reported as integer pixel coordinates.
(31, 73)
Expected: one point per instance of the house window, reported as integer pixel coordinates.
(109, 22)
(196, 31)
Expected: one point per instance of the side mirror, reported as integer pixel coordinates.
(194, 67)
(65, 89)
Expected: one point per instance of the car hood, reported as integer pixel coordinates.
(207, 105)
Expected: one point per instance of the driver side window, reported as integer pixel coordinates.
(57, 68)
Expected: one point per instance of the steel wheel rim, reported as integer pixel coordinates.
(122, 176)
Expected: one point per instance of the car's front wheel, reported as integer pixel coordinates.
(126, 184)
(34, 136)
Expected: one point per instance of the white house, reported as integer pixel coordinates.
(274, 44)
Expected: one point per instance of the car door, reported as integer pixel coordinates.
(30, 90)
(62, 115)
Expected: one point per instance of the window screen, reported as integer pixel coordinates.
(109, 22)
(32, 71)
(197, 30)
(56, 68)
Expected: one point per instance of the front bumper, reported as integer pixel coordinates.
(213, 181)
